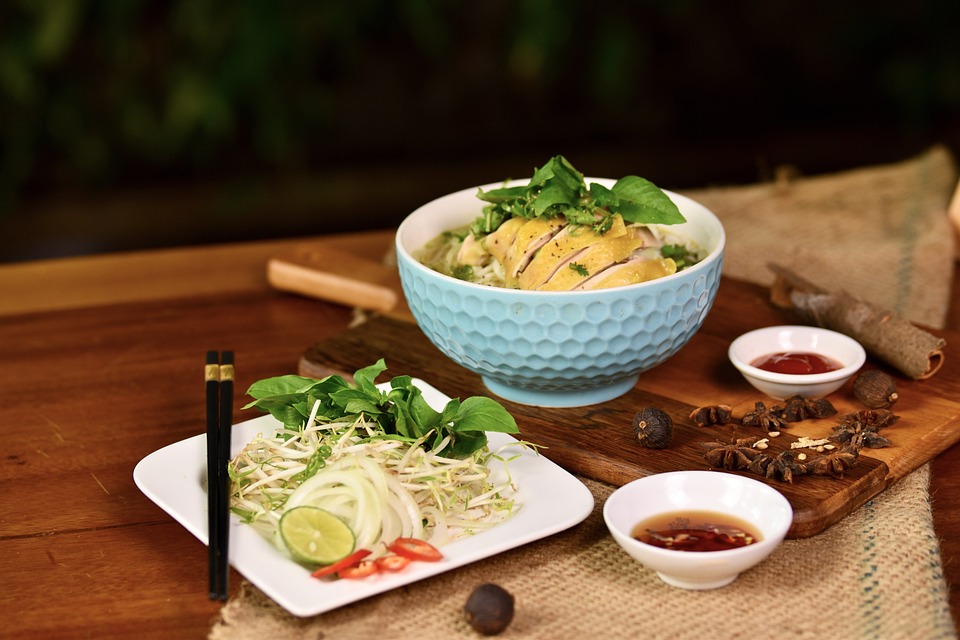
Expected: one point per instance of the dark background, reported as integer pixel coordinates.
(134, 124)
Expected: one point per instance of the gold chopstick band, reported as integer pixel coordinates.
(214, 372)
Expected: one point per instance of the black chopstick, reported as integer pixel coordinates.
(211, 377)
(226, 424)
(218, 377)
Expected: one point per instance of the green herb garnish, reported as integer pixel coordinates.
(558, 188)
(462, 272)
(680, 254)
(579, 268)
(399, 412)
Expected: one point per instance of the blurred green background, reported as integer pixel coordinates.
(135, 124)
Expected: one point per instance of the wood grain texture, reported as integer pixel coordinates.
(597, 441)
(87, 394)
(93, 383)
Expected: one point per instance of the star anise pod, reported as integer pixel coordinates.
(870, 419)
(733, 456)
(711, 415)
(783, 466)
(860, 428)
(871, 440)
(858, 435)
(799, 408)
(761, 416)
(835, 463)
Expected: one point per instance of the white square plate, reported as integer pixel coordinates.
(550, 499)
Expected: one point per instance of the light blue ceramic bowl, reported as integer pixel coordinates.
(557, 349)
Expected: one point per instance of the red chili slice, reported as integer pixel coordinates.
(415, 549)
(338, 566)
(392, 564)
(362, 570)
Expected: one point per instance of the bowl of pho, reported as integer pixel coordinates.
(560, 290)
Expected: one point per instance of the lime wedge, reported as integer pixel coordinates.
(316, 536)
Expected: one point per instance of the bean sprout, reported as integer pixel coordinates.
(384, 487)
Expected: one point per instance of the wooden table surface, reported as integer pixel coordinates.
(100, 364)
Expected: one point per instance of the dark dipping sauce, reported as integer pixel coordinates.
(796, 363)
(695, 531)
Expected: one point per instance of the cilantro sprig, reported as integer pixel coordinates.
(399, 412)
(558, 188)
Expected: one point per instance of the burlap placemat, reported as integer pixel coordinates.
(881, 233)
(876, 574)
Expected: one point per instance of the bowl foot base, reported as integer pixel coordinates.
(561, 399)
(691, 584)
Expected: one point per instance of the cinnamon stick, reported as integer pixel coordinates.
(885, 335)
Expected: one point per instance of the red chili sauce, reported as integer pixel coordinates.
(695, 531)
(796, 363)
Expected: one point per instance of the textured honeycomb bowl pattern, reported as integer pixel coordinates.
(566, 348)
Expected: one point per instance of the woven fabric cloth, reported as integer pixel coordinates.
(876, 574)
(881, 233)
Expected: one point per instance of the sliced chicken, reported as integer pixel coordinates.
(594, 259)
(563, 248)
(631, 272)
(500, 240)
(534, 234)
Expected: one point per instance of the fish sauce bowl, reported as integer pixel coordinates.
(723, 495)
(557, 348)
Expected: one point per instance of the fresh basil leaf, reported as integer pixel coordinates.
(321, 389)
(450, 411)
(404, 423)
(426, 416)
(555, 197)
(542, 174)
(559, 169)
(463, 443)
(503, 194)
(278, 386)
(282, 410)
(642, 201)
(366, 378)
(479, 413)
(354, 401)
(601, 196)
(400, 412)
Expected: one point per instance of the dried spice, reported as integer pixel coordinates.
(733, 456)
(884, 334)
(711, 415)
(874, 419)
(858, 435)
(489, 609)
(653, 428)
(860, 429)
(835, 463)
(761, 416)
(875, 389)
(799, 409)
(782, 466)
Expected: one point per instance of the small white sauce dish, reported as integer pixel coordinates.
(762, 342)
(757, 504)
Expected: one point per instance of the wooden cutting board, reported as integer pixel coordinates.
(597, 441)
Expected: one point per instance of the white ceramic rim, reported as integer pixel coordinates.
(854, 347)
(712, 256)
